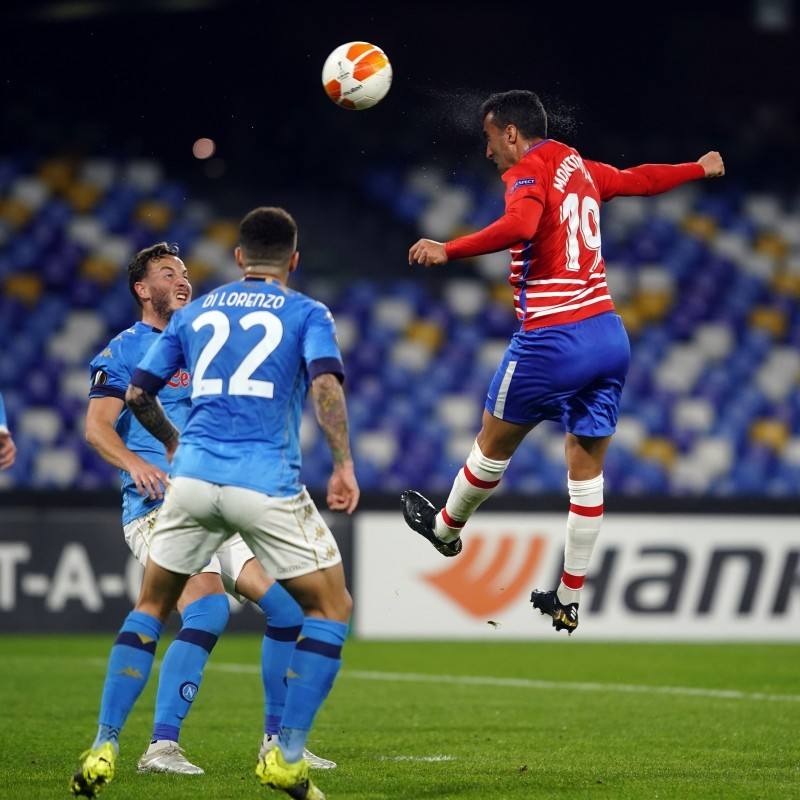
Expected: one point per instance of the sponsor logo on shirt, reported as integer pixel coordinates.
(180, 380)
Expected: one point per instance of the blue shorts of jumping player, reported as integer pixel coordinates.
(572, 374)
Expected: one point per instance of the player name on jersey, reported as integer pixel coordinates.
(566, 168)
(243, 300)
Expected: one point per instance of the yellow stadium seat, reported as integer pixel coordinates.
(154, 215)
(631, 316)
(57, 173)
(199, 271)
(787, 284)
(501, 293)
(224, 232)
(769, 319)
(700, 225)
(658, 449)
(652, 306)
(26, 288)
(771, 433)
(426, 333)
(14, 212)
(82, 196)
(772, 244)
(99, 269)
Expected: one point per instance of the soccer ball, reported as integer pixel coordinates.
(357, 75)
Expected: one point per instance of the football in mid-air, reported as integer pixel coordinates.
(357, 75)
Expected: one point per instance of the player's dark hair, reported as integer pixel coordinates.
(268, 236)
(137, 268)
(517, 107)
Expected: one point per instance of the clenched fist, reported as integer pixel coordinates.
(428, 253)
(713, 165)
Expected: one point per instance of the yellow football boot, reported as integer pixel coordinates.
(97, 769)
(272, 770)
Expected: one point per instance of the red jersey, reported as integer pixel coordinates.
(552, 226)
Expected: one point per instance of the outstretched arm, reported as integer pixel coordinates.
(650, 179)
(331, 411)
(150, 413)
(518, 224)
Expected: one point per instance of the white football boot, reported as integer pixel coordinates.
(315, 762)
(167, 756)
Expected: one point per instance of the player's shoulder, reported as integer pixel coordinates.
(124, 343)
(550, 152)
(534, 166)
(310, 307)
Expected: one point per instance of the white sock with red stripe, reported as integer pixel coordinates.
(583, 526)
(474, 483)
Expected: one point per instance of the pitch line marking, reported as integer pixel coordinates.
(519, 683)
(416, 758)
(528, 683)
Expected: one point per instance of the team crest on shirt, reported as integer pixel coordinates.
(520, 183)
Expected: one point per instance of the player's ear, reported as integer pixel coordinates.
(237, 254)
(511, 134)
(294, 261)
(141, 290)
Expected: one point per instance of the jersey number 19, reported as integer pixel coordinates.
(585, 215)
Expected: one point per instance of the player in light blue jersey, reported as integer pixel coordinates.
(159, 283)
(8, 450)
(254, 349)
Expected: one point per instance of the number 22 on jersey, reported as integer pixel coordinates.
(241, 382)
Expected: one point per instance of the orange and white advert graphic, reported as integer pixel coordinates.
(652, 577)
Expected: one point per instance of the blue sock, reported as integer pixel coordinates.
(315, 663)
(284, 622)
(128, 669)
(184, 662)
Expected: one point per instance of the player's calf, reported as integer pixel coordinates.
(583, 527)
(476, 480)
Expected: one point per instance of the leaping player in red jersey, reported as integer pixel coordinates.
(569, 360)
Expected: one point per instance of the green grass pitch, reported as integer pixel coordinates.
(398, 732)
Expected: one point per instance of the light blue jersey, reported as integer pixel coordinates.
(111, 372)
(253, 348)
(3, 421)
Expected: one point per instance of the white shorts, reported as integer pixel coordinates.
(227, 562)
(286, 534)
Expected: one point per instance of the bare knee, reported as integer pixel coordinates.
(160, 591)
(499, 439)
(253, 582)
(337, 607)
(201, 585)
(585, 456)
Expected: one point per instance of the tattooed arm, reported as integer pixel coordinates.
(149, 412)
(331, 411)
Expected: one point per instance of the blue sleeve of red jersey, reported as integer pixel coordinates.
(162, 360)
(320, 349)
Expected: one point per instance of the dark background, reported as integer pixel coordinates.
(623, 82)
